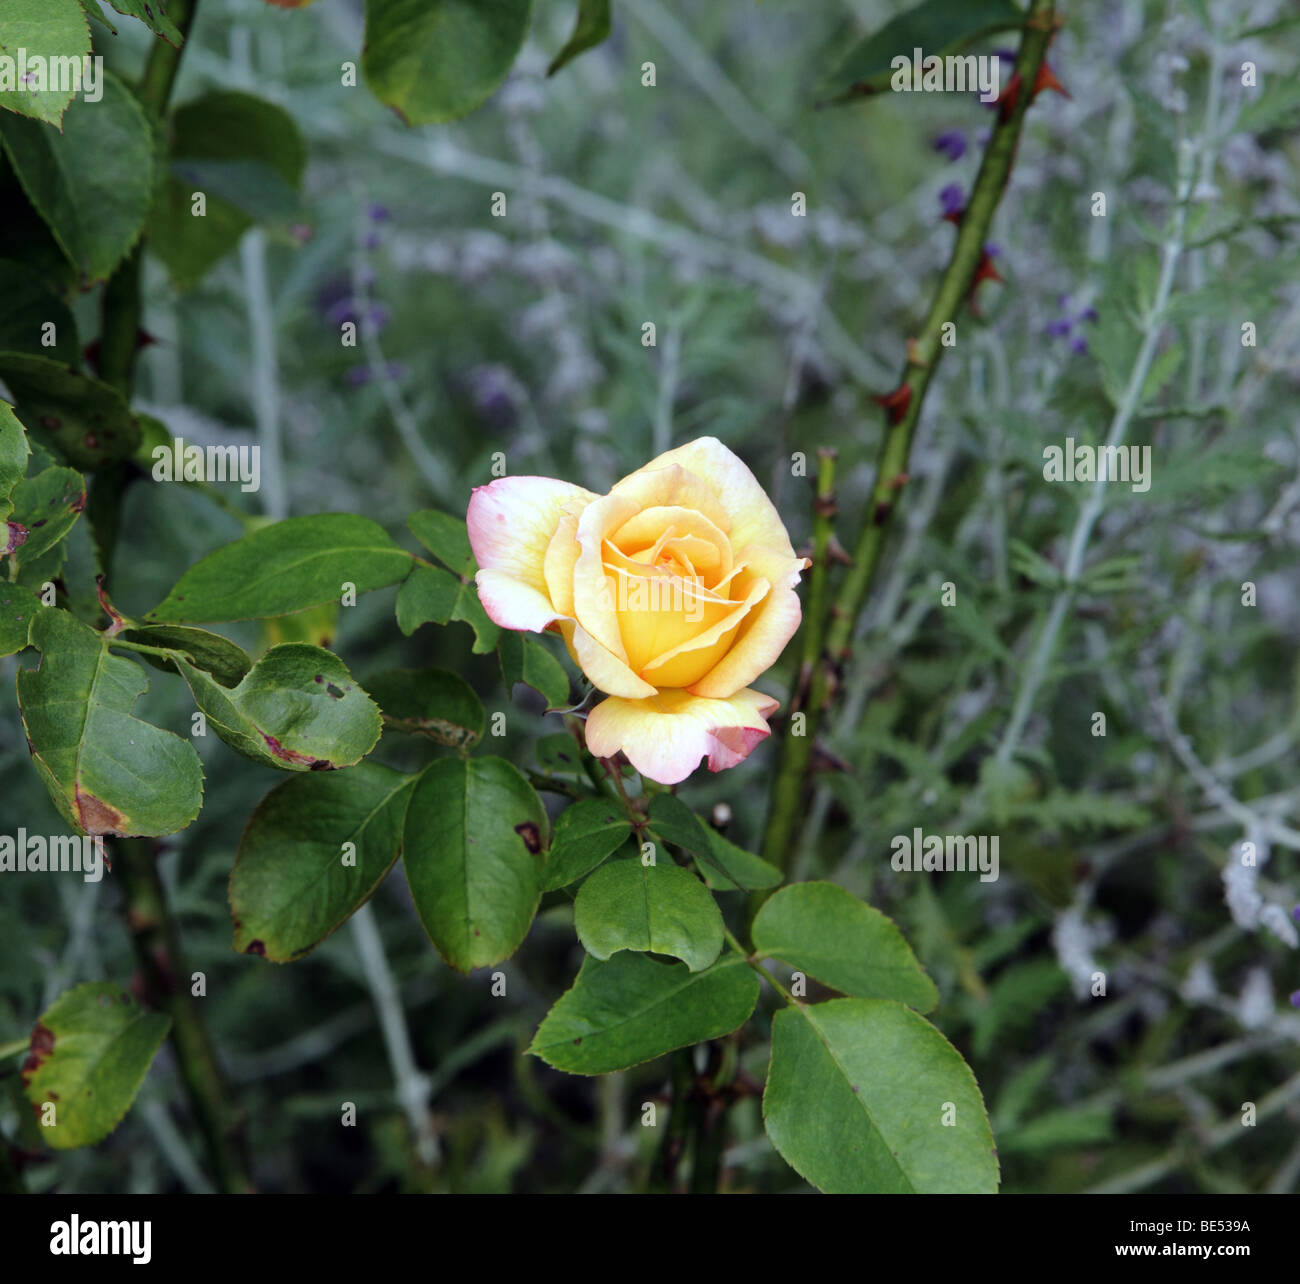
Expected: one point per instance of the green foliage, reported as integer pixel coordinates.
(585, 834)
(314, 851)
(107, 771)
(825, 931)
(474, 849)
(434, 60)
(429, 702)
(90, 1052)
(630, 1009)
(590, 29)
(863, 1094)
(289, 566)
(47, 29)
(939, 27)
(631, 905)
(96, 215)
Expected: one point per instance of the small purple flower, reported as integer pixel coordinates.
(378, 213)
(952, 199)
(992, 249)
(1079, 345)
(340, 311)
(1295, 999)
(396, 370)
(1295, 913)
(358, 376)
(1059, 328)
(371, 240)
(1088, 314)
(952, 144)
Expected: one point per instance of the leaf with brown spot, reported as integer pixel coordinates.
(89, 1054)
(107, 771)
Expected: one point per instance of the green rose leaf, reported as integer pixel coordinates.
(672, 821)
(90, 1052)
(446, 538)
(30, 307)
(212, 653)
(591, 28)
(87, 421)
(627, 905)
(107, 771)
(434, 60)
(150, 12)
(525, 659)
(864, 1096)
(429, 702)
(633, 1009)
(46, 508)
(14, 452)
(432, 595)
(46, 29)
(18, 606)
(827, 932)
(585, 834)
(313, 852)
(939, 27)
(558, 755)
(474, 851)
(246, 156)
(286, 567)
(298, 708)
(95, 211)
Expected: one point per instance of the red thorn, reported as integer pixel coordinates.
(896, 402)
(986, 271)
(1008, 98)
(1046, 79)
(955, 217)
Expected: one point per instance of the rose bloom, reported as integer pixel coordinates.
(672, 593)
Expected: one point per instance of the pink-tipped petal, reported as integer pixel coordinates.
(664, 736)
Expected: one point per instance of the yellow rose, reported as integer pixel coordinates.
(672, 593)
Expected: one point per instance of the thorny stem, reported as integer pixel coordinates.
(149, 919)
(891, 468)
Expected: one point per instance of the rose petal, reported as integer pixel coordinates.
(605, 670)
(665, 736)
(764, 632)
(752, 517)
(513, 605)
(511, 522)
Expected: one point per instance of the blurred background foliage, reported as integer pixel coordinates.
(522, 334)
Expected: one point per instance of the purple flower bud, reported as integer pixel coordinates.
(397, 370)
(952, 199)
(1088, 314)
(992, 249)
(341, 310)
(1059, 328)
(952, 144)
(1079, 345)
(1295, 999)
(371, 241)
(1295, 913)
(358, 376)
(378, 213)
